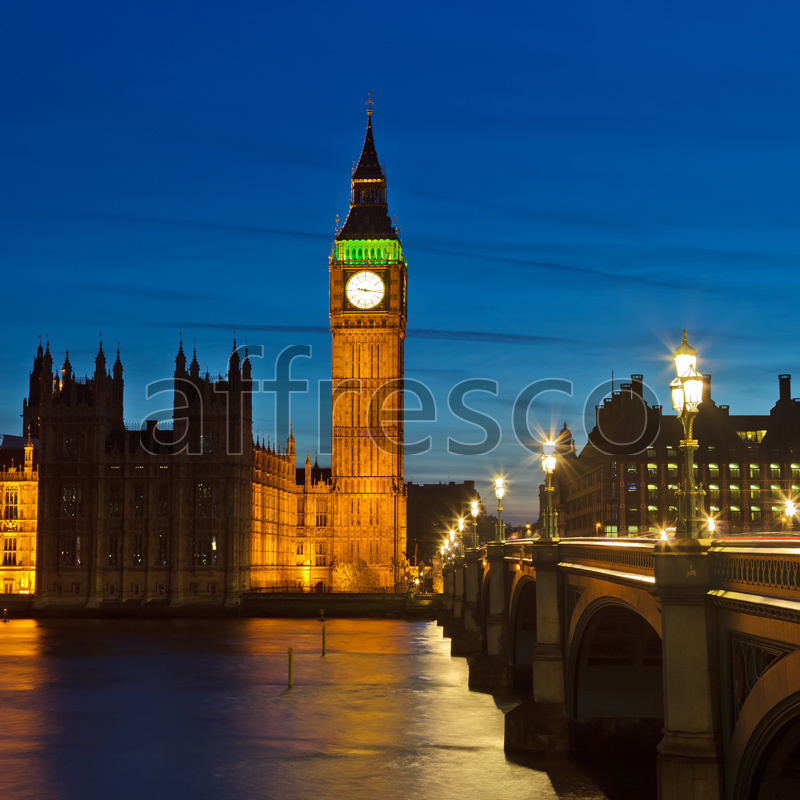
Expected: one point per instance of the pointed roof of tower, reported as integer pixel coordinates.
(194, 367)
(368, 217)
(180, 358)
(66, 368)
(100, 361)
(369, 167)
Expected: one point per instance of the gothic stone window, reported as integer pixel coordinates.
(69, 500)
(138, 500)
(204, 549)
(322, 512)
(204, 500)
(113, 500)
(10, 551)
(69, 550)
(137, 556)
(12, 503)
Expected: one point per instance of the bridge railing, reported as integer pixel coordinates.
(757, 567)
(617, 555)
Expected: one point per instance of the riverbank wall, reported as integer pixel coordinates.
(252, 604)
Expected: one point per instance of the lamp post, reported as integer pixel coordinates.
(499, 491)
(550, 527)
(687, 392)
(461, 534)
(474, 511)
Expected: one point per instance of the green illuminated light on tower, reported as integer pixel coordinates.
(367, 251)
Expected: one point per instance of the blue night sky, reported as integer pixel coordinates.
(575, 183)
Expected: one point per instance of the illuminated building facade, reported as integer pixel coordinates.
(194, 511)
(19, 495)
(624, 481)
(368, 295)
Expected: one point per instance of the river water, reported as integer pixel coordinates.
(201, 709)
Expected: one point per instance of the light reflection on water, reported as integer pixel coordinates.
(201, 709)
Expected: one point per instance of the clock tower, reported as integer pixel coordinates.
(368, 324)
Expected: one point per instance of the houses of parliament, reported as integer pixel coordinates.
(195, 511)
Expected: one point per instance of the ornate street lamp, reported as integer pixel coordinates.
(461, 534)
(687, 392)
(499, 491)
(474, 512)
(550, 526)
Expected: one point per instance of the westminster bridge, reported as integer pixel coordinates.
(690, 647)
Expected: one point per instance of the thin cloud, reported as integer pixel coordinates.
(412, 333)
(202, 224)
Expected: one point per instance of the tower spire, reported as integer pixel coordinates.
(368, 217)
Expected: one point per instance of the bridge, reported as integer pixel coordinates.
(689, 647)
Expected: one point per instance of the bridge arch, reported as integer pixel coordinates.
(614, 681)
(764, 756)
(522, 626)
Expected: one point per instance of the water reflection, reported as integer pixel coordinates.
(200, 709)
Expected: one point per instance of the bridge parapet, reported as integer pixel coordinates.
(764, 568)
(630, 556)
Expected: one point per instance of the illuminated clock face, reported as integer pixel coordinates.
(365, 289)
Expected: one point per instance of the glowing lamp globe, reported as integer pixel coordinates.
(685, 358)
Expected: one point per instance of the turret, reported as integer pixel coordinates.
(180, 361)
(118, 367)
(66, 370)
(247, 370)
(29, 454)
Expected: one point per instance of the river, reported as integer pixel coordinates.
(118, 709)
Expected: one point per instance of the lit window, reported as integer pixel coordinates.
(10, 551)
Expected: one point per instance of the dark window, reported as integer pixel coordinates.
(204, 550)
(113, 500)
(69, 549)
(204, 500)
(69, 500)
(163, 500)
(138, 500)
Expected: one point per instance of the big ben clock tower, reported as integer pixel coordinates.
(368, 324)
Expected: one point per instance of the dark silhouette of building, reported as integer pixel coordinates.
(624, 481)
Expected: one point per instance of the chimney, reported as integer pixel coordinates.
(636, 384)
(786, 388)
(706, 388)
